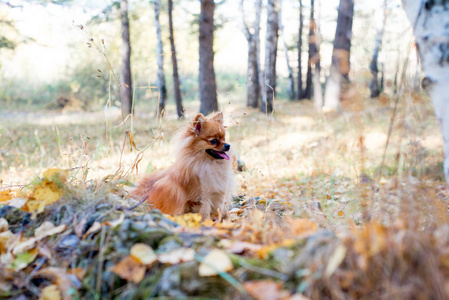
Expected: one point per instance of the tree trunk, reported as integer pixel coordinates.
(317, 90)
(339, 71)
(301, 25)
(374, 84)
(178, 98)
(270, 56)
(313, 51)
(208, 89)
(253, 86)
(160, 61)
(291, 81)
(430, 21)
(126, 85)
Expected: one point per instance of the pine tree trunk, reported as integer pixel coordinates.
(301, 25)
(253, 86)
(430, 20)
(291, 81)
(178, 97)
(340, 66)
(126, 81)
(374, 84)
(208, 89)
(160, 61)
(270, 56)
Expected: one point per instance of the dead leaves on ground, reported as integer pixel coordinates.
(46, 191)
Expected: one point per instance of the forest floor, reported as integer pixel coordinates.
(329, 206)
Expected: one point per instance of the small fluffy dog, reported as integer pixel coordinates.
(202, 178)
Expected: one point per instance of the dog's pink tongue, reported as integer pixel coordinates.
(224, 155)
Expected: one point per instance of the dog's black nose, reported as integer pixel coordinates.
(227, 147)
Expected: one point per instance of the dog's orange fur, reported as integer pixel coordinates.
(196, 182)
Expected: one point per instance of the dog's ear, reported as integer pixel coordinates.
(197, 123)
(219, 118)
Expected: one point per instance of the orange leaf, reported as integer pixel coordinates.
(303, 227)
(129, 269)
(265, 289)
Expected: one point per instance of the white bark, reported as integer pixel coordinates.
(430, 21)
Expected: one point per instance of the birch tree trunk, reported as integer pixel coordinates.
(430, 20)
(340, 66)
(313, 51)
(317, 90)
(208, 89)
(270, 56)
(301, 25)
(178, 97)
(253, 85)
(374, 84)
(126, 79)
(291, 81)
(160, 61)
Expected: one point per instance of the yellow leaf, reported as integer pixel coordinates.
(216, 261)
(56, 174)
(143, 253)
(47, 191)
(129, 269)
(187, 220)
(50, 292)
(8, 195)
(208, 223)
(265, 251)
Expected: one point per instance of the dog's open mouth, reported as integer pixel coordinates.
(217, 154)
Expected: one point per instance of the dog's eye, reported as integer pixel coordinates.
(213, 142)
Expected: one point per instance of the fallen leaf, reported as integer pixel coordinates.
(22, 260)
(78, 228)
(215, 262)
(208, 223)
(265, 289)
(266, 250)
(6, 195)
(67, 283)
(3, 225)
(371, 240)
(48, 229)
(303, 227)
(143, 253)
(335, 260)
(24, 246)
(187, 220)
(96, 226)
(47, 191)
(117, 222)
(129, 269)
(176, 256)
(240, 247)
(55, 175)
(17, 202)
(50, 292)
(5, 240)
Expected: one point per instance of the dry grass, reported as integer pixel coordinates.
(384, 225)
